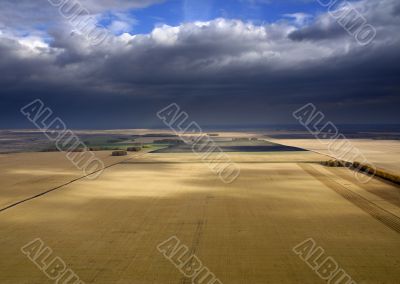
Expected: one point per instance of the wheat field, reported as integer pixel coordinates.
(107, 230)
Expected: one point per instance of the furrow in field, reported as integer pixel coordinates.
(380, 214)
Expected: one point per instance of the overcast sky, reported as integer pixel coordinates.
(226, 62)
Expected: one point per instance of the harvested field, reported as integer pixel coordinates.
(107, 230)
(24, 175)
(383, 154)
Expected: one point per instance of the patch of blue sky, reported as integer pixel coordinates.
(175, 12)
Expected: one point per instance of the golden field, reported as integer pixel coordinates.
(107, 230)
(383, 154)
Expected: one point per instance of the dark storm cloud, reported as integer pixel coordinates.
(222, 71)
(380, 14)
(396, 9)
(316, 32)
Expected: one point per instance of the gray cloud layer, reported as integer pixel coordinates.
(223, 71)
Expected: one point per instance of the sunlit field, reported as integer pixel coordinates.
(107, 230)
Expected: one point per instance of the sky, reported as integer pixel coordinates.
(227, 63)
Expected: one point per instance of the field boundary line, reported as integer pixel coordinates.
(393, 201)
(63, 185)
(380, 214)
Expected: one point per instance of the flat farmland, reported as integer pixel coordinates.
(107, 230)
(383, 154)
